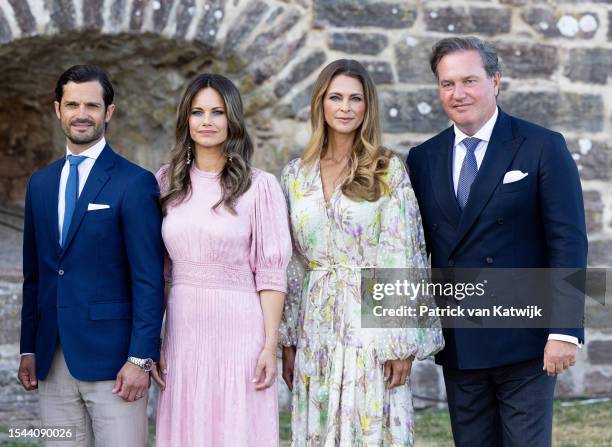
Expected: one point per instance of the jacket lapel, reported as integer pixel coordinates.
(97, 178)
(52, 197)
(500, 152)
(442, 176)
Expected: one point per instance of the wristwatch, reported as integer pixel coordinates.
(146, 364)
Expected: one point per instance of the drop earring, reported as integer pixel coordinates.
(188, 154)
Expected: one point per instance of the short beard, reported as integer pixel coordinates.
(84, 139)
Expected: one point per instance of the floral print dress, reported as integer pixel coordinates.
(339, 393)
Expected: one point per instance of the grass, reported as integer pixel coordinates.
(573, 426)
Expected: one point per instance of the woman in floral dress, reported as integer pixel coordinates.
(351, 205)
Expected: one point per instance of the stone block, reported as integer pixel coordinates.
(413, 111)
(210, 22)
(138, 10)
(556, 110)
(276, 56)
(357, 43)
(522, 60)
(184, 15)
(5, 30)
(248, 20)
(598, 383)
(161, 12)
(63, 14)
(381, 72)
(592, 65)
(425, 382)
(412, 60)
(351, 13)
(117, 12)
(300, 71)
(600, 253)
(554, 23)
(465, 20)
(593, 158)
(24, 17)
(600, 352)
(594, 208)
(10, 310)
(264, 44)
(609, 25)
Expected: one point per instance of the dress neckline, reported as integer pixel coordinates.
(204, 174)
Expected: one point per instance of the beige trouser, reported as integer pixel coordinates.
(98, 416)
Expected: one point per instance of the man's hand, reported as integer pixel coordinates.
(558, 356)
(288, 365)
(27, 372)
(159, 371)
(132, 382)
(397, 372)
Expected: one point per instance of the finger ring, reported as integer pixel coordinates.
(138, 397)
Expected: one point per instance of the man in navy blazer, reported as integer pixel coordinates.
(495, 191)
(93, 276)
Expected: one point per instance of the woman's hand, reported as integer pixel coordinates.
(288, 364)
(265, 372)
(158, 373)
(396, 372)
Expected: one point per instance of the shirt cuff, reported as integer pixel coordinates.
(567, 338)
(26, 353)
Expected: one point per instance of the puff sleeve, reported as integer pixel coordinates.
(402, 245)
(271, 242)
(296, 274)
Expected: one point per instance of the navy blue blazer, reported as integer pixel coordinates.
(102, 293)
(537, 222)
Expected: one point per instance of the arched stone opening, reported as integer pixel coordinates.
(149, 73)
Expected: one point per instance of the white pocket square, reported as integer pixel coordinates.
(514, 176)
(97, 206)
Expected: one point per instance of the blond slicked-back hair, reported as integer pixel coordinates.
(369, 160)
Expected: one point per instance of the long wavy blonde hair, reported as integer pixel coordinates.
(369, 161)
(235, 178)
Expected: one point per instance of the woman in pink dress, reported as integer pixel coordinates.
(226, 233)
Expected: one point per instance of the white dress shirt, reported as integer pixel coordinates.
(459, 151)
(84, 168)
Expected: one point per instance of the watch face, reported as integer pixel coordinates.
(148, 365)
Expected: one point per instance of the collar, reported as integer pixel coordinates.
(483, 134)
(93, 152)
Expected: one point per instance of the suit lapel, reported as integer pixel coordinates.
(52, 197)
(97, 178)
(442, 177)
(500, 152)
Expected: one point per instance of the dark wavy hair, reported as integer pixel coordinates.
(235, 178)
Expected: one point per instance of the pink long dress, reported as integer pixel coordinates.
(218, 264)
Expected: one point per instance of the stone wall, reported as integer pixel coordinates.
(556, 56)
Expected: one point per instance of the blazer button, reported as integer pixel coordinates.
(61, 272)
(451, 262)
(434, 227)
(500, 221)
(489, 260)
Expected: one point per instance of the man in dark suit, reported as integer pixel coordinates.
(93, 276)
(496, 191)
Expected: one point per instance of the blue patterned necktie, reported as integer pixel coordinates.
(72, 193)
(469, 169)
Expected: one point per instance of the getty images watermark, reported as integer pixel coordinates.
(486, 298)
